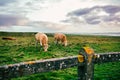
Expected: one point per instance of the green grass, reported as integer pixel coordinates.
(24, 49)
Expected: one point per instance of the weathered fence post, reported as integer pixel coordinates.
(86, 72)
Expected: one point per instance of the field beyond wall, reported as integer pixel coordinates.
(24, 49)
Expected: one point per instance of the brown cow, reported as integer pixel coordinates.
(42, 39)
(60, 38)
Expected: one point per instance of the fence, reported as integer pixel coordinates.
(85, 62)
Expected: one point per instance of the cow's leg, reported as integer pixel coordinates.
(56, 41)
(41, 45)
(36, 44)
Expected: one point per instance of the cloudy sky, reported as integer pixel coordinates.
(71, 16)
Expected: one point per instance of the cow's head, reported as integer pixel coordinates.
(45, 47)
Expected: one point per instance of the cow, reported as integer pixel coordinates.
(42, 39)
(60, 38)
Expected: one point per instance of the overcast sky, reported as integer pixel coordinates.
(72, 16)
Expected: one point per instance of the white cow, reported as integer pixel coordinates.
(42, 39)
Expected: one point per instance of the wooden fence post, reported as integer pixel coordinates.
(86, 56)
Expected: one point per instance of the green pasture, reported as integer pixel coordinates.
(24, 49)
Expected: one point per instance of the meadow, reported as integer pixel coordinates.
(24, 49)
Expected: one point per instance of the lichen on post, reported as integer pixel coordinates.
(86, 71)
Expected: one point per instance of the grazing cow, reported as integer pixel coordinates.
(60, 38)
(42, 39)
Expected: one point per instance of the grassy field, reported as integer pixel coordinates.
(24, 49)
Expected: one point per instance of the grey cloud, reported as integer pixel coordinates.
(112, 18)
(111, 9)
(93, 22)
(5, 2)
(79, 12)
(73, 20)
(9, 20)
(94, 18)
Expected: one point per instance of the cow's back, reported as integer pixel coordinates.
(59, 36)
(41, 37)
